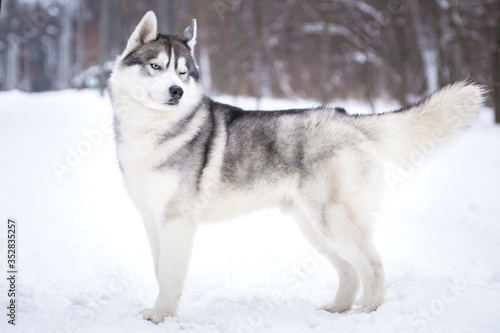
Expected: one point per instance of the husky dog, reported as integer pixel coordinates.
(187, 159)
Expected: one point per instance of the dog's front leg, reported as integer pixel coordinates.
(175, 243)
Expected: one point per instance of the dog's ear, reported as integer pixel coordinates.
(146, 30)
(190, 35)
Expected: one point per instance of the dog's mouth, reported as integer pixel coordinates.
(171, 102)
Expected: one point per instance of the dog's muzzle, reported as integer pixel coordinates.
(176, 93)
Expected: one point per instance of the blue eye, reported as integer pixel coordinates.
(155, 66)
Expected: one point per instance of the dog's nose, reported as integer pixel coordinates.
(176, 92)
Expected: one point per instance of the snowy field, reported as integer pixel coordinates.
(84, 264)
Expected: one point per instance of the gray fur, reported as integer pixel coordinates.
(189, 31)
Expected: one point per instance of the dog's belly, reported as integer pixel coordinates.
(232, 202)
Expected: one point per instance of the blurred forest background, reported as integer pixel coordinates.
(315, 49)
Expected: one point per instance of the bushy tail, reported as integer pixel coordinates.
(427, 125)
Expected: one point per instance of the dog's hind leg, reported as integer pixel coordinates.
(349, 283)
(348, 245)
(351, 237)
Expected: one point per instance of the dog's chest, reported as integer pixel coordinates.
(136, 153)
(139, 158)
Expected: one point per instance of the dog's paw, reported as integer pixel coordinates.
(335, 308)
(366, 309)
(155, 315)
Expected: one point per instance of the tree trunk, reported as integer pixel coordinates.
(325, 53)
(13, 51)
(496, 70)
(436, 26)
(460, 72)
(237, 61)
(65, 47)
(80, 46)
(50, 64)
(368, 85)
(103, 42)
(166, 19)
(398, 24)
(35, 62)
(262, 65)
(426, 48)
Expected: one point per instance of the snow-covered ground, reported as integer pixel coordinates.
(84, 263)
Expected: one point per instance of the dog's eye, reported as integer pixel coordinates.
(155, 66)
(182, 73)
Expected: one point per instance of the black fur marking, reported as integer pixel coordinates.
(207, 147)
(118, 139)
(116, 128)
(120, 166)
(142, 54)
(179, 127)
(300, 156)
(180, 157)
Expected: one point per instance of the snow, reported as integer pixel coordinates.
(85, 264)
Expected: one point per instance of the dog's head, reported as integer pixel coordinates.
(158, 71)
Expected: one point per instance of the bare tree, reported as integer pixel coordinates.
(459, 52)
(236, 63)
(65, 47)
(398, 23)
(262, 62)
(436, 27)
(103, 41)
(426, 47)
(167, 17)
(325, 52)
(13, 50)
(80, 45)
(495, 60)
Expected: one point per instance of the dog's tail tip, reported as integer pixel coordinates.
(433, 122)
(467, 93)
